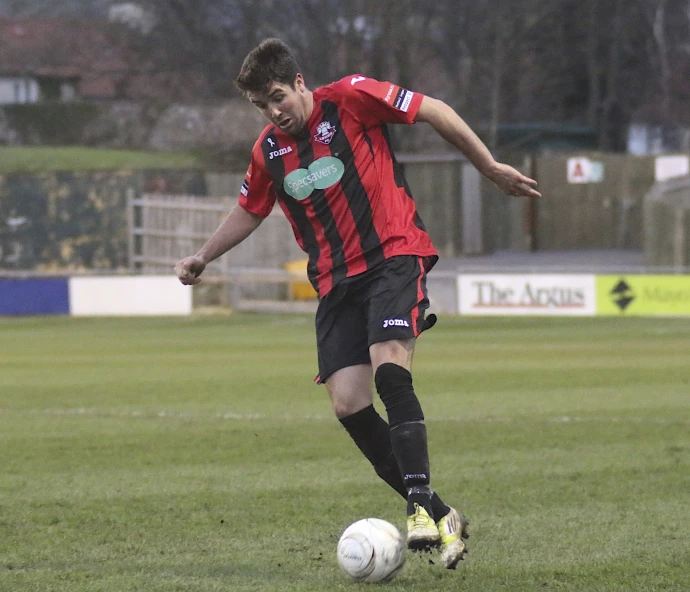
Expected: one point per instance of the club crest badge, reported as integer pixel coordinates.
(324, 132)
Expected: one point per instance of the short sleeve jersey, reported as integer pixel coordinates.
(339, 183)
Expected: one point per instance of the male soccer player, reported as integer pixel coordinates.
(326, 157)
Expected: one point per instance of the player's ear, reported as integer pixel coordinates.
(300, 86)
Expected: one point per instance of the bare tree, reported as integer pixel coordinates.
(658, 18)
(497, 61)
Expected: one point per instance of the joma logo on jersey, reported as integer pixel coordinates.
(281, 152)
(395, 323)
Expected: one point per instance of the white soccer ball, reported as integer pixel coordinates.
(371, 550)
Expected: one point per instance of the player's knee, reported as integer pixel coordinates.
(394, 385)
(347, 405)
(350, 390)
(343, 409)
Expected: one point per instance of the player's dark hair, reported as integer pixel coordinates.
(270, 61)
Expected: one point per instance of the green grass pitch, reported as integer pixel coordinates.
(195, 454)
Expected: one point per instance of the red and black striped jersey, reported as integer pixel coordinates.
(339, 183)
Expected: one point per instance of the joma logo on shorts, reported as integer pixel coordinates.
(395, 323)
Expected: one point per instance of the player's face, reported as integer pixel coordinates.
(286, 107)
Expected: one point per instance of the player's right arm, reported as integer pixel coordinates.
(255, 203)
(238, 225)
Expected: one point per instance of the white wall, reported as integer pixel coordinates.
(129, 296)
(18, 90)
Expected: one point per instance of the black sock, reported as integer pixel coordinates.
(371, 434)
(409, 443)
(407, 432)
(440, 509)
(419, 495)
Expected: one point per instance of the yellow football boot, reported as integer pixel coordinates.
(453, 531)
(422, 533)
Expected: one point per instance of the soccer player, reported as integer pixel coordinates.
(326, 158)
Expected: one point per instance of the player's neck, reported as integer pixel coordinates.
(308, 104)
(307, 100)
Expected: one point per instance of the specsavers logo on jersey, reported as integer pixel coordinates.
(321, 174)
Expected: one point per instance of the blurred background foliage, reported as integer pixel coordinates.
(77, 220)
(600, 63)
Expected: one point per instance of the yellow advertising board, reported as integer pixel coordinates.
(643, 295)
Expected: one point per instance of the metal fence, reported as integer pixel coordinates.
(166, 228)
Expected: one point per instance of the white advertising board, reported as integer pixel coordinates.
(670, 167)
(584, 170)
(527, 294)
(129, 296)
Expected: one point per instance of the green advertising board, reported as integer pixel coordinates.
(643, 295)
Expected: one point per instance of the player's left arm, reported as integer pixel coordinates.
(450, 126)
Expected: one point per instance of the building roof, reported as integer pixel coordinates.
(64, 72)
(94, 51)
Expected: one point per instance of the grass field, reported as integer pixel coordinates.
(40, 159)
(195, 454)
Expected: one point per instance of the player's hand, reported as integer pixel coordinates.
(189, 269)
(513, 182)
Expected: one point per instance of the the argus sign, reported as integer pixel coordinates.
(321, 174)
(566, 295)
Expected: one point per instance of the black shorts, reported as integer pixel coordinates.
(385, 303)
